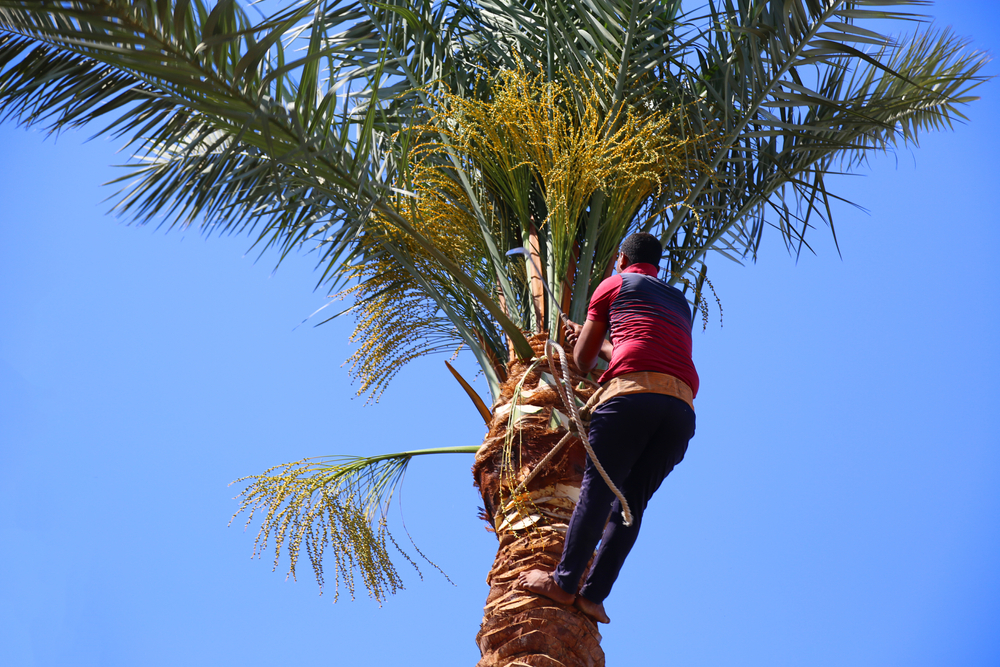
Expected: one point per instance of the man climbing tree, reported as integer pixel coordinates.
(640, 428)
(416, 143)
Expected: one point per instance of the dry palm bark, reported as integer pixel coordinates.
(521, 628)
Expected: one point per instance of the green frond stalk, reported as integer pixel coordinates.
(338, 502)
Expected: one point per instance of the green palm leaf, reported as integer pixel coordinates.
(795, 97)
(340, 501)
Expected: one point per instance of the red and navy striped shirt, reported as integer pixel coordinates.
(650, 324)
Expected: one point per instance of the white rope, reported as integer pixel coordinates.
(564, 386)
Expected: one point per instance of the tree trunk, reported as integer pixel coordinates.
(522, 629)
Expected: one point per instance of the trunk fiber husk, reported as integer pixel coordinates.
(522, 629)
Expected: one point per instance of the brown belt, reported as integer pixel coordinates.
(641, 382)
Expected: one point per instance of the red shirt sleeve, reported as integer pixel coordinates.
(604, 295)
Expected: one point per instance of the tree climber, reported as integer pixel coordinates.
(640, 429)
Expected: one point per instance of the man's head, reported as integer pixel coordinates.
(642, 248)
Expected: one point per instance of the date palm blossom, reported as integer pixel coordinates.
(411, 145)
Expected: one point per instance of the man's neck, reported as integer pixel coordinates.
(642, 267)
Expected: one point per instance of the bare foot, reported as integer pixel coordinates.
(593, 609)
(542, 583)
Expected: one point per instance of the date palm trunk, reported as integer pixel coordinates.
(519, 628)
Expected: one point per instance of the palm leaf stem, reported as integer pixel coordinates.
(465, 449)
(581, 290)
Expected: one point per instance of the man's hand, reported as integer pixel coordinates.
(572, 331)
(589, 343)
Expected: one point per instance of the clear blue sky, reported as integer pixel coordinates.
(839, 505)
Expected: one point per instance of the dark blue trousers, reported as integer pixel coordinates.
(638, 438)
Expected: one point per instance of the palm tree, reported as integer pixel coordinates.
(415, 144)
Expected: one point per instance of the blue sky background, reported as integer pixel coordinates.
(839, 505)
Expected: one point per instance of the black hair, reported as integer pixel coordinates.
(642, 248)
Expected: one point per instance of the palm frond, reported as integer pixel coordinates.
(797, 91)
(338, 502)
(588, 40)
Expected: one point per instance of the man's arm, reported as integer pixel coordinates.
(589, 343)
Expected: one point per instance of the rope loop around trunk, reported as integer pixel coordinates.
(578, 427)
